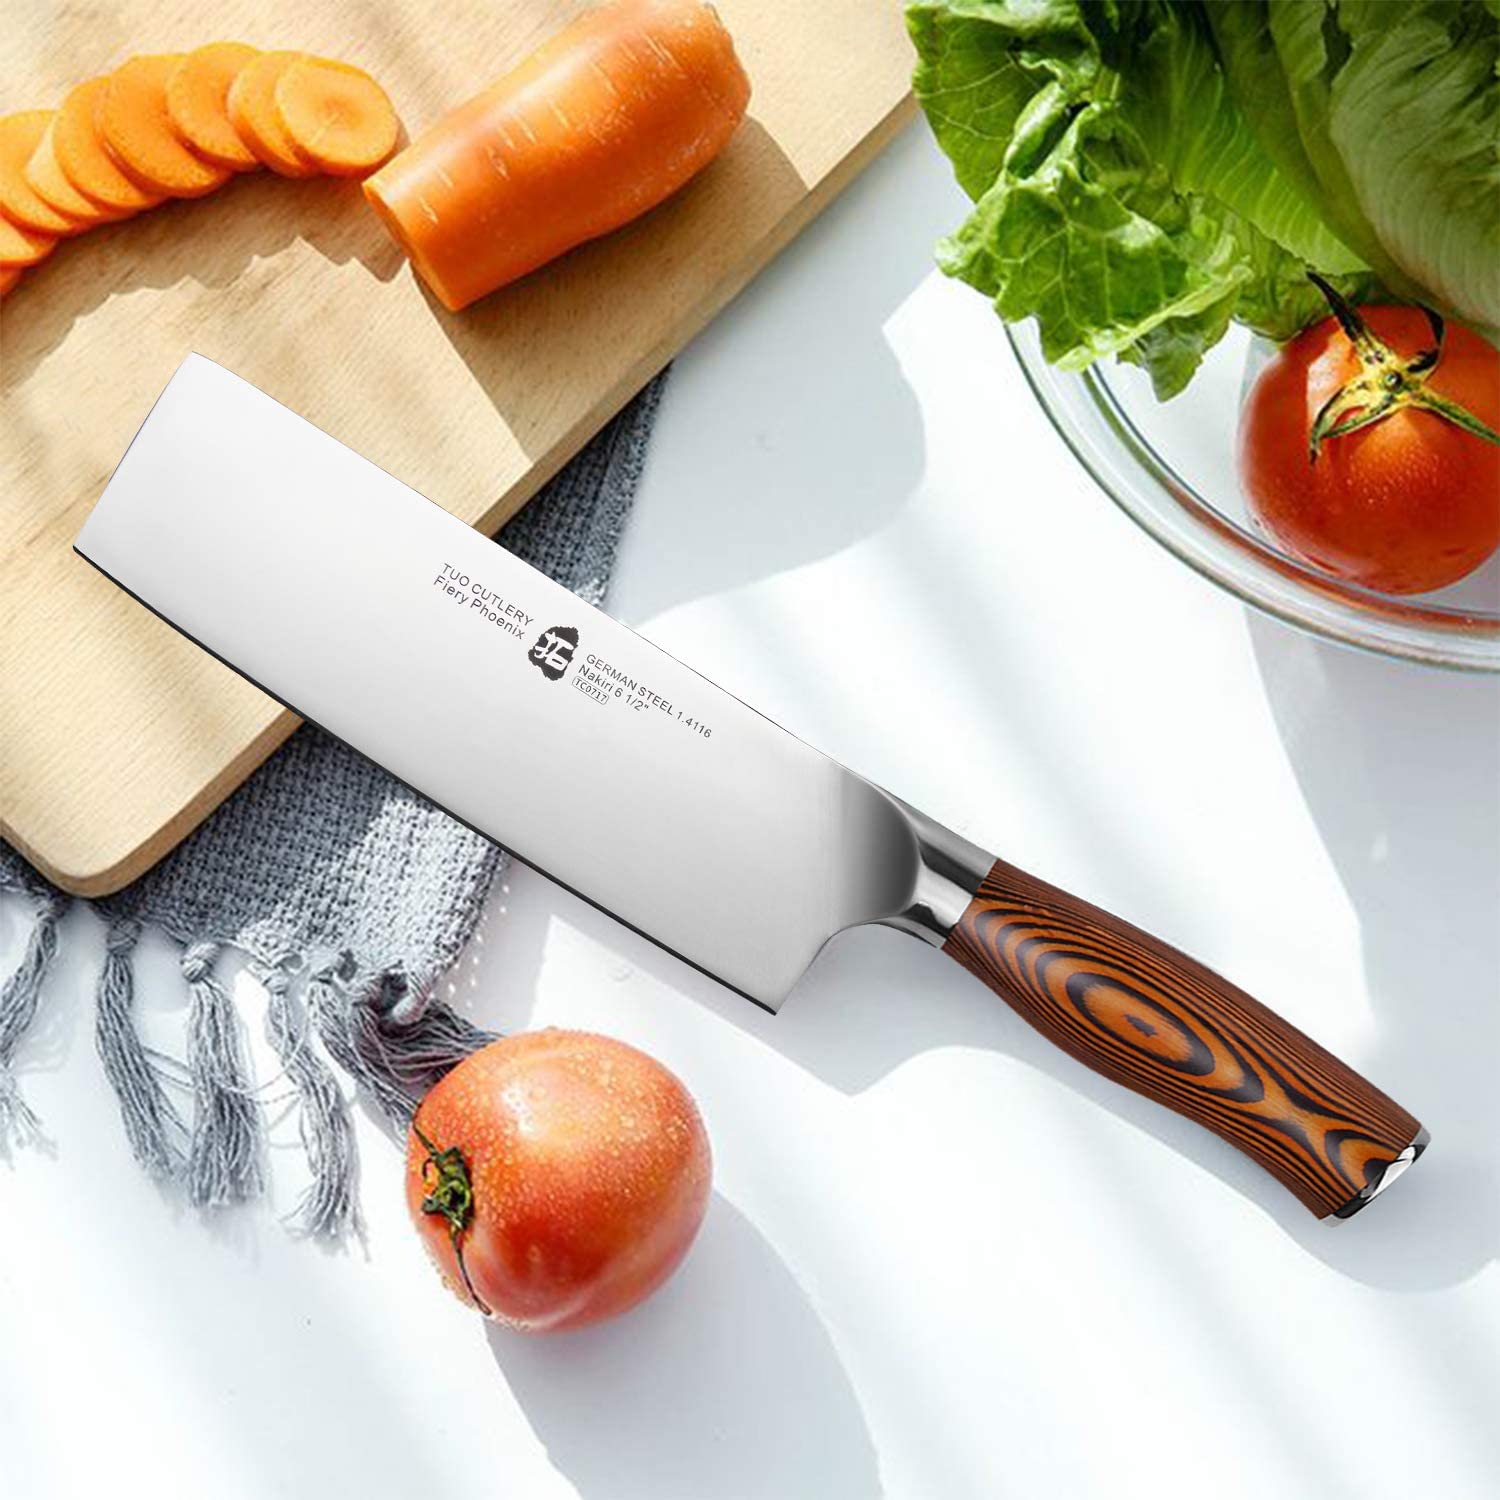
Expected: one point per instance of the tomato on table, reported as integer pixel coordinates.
(557, 1178)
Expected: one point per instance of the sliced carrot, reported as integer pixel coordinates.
(23, 247)
(337, 115)
(198, 102)
(19, 201)
(10, 276)
(139, 134)
(252, 109)
(602, 122)
(46, 178)
(84, 158)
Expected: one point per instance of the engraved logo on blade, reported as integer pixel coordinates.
(554, 650)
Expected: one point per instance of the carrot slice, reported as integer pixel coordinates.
(198, 102)
(46, 178)
(252, 109)
(23, 247)
(84, 158)
(138, 131)
(337, 115)
(9, 277)
(19, 201)
(602, 122)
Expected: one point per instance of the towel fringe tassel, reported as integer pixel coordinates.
(224, 1158)
(329, 1206)
(359, 1017)
(148, 1115)
(18, 1005)
(371, 1022)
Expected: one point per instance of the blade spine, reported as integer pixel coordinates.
(656, 942)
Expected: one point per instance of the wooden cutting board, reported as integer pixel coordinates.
(116, 736)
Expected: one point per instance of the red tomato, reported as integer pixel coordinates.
(1408, 504)
(586, 1167)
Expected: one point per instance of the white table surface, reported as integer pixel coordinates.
(941, 1261)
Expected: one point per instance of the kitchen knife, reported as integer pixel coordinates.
(624, 775)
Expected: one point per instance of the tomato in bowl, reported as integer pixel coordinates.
(1368, 448)
(1172, 467)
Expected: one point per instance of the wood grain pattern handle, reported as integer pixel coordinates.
(1147, 1016)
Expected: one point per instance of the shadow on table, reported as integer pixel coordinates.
(1400, 768)
(725, 508)
(209, 244)
(1370, 742)
(725, 1384)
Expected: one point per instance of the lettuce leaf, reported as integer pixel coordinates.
(1145, 172)
(979, 62)
(1252, 67)
(1392, 114)
(1181, 103)
(1311, 50)
(1278, 301)
(1094, 246)
(1122, 200)
(1414, 113)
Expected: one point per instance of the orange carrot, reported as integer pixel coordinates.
(139, 134)
(46, 178)
(9, 276)
(252, 109)
(336, 115)
(601, 123)
(84, 158)
(23, 247)
(19, 201)
(198, 102)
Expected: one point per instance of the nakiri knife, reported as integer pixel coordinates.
(622, 774)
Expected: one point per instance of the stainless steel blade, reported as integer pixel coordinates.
(588, 752)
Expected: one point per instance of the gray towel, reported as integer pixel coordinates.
(348, 895)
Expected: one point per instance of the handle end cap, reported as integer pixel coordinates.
(1386, 1176)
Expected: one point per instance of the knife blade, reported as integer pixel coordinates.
(616, 770)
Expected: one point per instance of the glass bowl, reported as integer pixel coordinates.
(1170, 466)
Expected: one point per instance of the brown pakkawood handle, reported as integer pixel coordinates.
(1140, 1012)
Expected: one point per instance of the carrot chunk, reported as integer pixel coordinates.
(9, 277)
(85, 159)
(252, 109)
(337, 115)
(602, 122)
(198, 102)
(19, 201)
(139, 134)
(23, 247)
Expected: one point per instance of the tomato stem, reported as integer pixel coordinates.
(1387, 383)
(452, 1197)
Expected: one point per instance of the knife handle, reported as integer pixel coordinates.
(1138, 1011)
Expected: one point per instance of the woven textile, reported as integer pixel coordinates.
(347, 893)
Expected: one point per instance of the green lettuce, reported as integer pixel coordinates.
(1145, 172)
(1413, 112)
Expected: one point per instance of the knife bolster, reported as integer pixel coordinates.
(949, 873)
